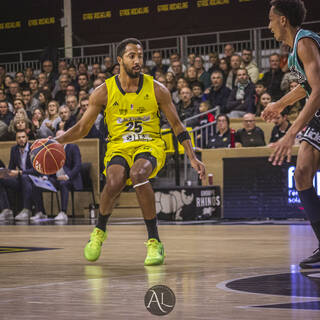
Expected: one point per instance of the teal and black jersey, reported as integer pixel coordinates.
(294, 63)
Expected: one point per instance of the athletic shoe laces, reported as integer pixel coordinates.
(97, 238)
(153, 248)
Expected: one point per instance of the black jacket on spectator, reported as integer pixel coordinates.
(52, 78)
(219, 97)
(188, 112)
(227, 140)
(7, 117)
(197, 101)
(272, 81)
(252, 138)
(164, 69)
(277, 134)
(249, 98)
(15, 161)
(69, 123)
(60, 97)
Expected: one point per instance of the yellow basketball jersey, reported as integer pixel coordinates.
(132, 116)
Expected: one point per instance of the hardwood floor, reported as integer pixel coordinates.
(202, 262)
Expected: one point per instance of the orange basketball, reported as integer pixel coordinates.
(47, 156)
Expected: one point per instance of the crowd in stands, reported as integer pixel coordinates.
(52, 99)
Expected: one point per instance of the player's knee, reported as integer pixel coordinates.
(303, 176)
(115, 183)
(138, 175)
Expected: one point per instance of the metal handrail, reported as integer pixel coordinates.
(215, 109)
(199, 129)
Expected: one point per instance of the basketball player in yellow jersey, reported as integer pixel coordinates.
(131, 103)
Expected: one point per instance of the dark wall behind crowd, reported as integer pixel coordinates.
(36, 24)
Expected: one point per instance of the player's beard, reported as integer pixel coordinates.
(131, 73)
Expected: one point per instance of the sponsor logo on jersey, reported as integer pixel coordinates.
(141, 110)
(123, 111)
(144, 118)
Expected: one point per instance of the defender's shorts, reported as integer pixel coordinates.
(312, 133)
(129, 152)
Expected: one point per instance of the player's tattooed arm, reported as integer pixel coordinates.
(97, 101)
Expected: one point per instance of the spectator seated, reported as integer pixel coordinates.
(250, 135)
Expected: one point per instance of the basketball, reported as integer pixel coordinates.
(47, 156)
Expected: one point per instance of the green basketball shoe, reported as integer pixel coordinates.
(93, 248)
(155, 253)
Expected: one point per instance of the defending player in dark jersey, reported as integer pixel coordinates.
(286, 17)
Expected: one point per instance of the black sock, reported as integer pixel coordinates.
(316, 229)
(102, 221)
(152, 228)
(311, 204)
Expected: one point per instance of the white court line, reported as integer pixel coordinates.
(262, 306)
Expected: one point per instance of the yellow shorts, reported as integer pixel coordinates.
(130, 150)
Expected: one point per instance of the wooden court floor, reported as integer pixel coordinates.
(216, 272)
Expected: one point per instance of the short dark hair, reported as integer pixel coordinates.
(198, 56)
(175, 53)
(84, 74)
(243, 69)
(260, 83)
(22, 130)
(18, 99)
(34, 78)
(197, 84)
(294, 10)
(224, 116)
(217, 71)
(274, 54)
(121, 48)
(4, 101)
(83, 64)
(86, 97)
